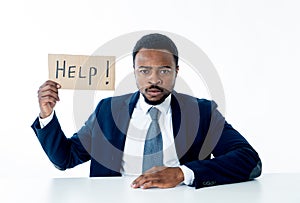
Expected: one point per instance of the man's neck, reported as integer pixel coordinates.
(163, 106)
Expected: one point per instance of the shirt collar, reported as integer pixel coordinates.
(163, 107)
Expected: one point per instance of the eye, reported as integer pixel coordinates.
(144, 71)
(165, 71)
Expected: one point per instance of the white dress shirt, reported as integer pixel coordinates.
(132, 160)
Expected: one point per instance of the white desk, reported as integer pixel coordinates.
(269, 188)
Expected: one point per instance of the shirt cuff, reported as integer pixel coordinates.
(45, 121)
(188, 175)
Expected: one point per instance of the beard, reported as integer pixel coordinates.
(161, 100)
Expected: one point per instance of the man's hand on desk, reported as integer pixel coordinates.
(159, 176)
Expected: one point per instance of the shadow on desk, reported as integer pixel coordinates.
(116, 189)
(269, 188)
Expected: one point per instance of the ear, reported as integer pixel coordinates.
(134, 71)
(176, 70)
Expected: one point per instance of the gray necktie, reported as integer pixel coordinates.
(153, 153)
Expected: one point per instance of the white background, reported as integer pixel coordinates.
(254, 46)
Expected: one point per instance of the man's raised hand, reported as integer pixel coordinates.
(48, 96)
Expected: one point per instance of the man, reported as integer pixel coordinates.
(166, 136)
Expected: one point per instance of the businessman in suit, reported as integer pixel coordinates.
(164, 137)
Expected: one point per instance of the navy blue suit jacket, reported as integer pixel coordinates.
(199, 132)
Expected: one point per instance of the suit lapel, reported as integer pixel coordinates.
(178, 122)
(186, 120)
(122, 119)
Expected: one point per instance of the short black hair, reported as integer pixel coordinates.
(156, 41)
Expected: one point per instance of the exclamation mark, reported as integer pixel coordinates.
(107, 72)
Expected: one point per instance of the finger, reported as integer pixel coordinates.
(51, 83)
(152, 184)
(160, 182)
(46, 87)
(141, 180)
(136, 182)
(48, 93)
(49, 86)
(147, 185)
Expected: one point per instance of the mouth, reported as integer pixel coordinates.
(154, 91)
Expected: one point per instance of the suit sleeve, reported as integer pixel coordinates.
(234, 158)
(65, 152)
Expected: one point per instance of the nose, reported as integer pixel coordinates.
(155, 78)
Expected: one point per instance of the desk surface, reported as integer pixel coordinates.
(268, 188)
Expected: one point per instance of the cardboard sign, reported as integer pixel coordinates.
(82, 72)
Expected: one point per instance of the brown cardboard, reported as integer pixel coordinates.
(82, 72)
